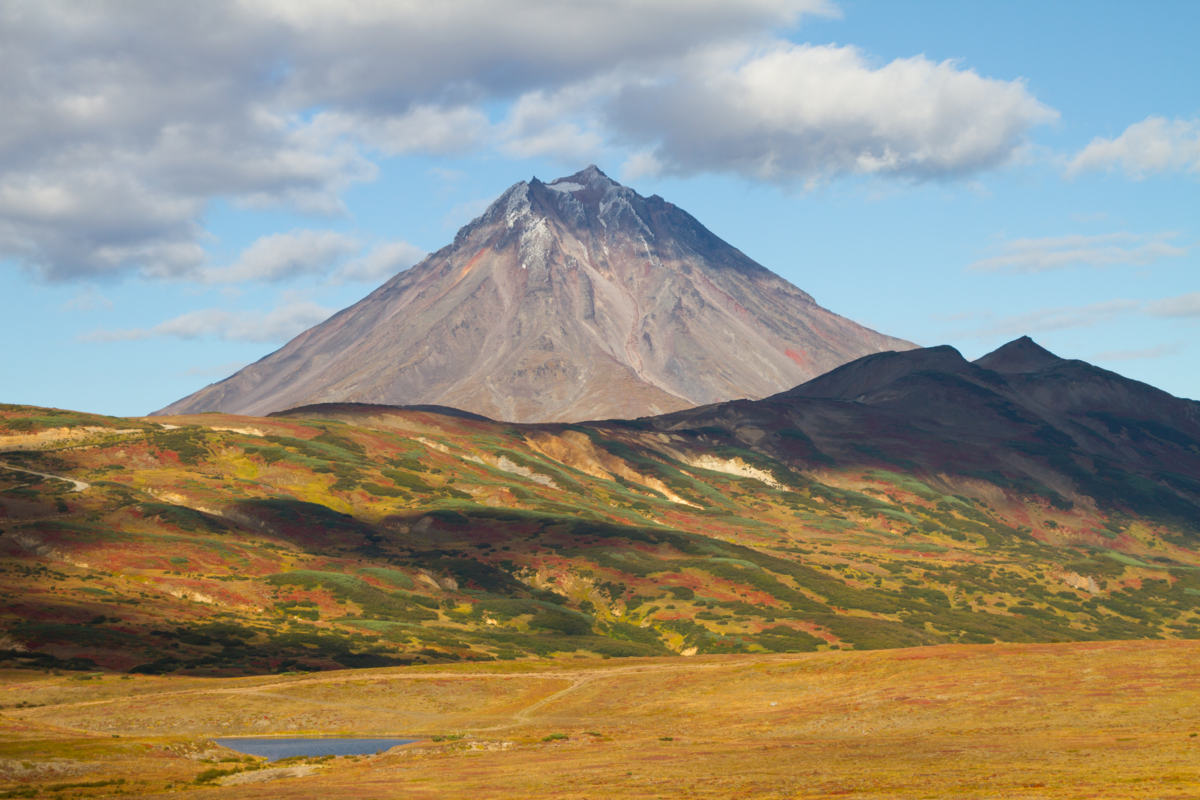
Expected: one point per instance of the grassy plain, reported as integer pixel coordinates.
(1071, 720)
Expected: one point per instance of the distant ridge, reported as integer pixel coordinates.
(564, 301)
(1019, 417)
(853, 380)
(375, 408)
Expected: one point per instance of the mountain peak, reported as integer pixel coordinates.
(1019, 355)
(590, 180)
(585, 177)
(570, 300)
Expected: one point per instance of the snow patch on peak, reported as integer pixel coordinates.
(591, 177)
(615, 205)
(518, 204)
(510, 207)
(536, 243)
(564, 186)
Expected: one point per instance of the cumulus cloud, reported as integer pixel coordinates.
(380, 263)
(811, 113)
(123, 122)
(283, 256)
(1153, 145)
(1026, 256)
(374, 54)
(564, 124)
(276, 326)
(425, 129)
(641, 164)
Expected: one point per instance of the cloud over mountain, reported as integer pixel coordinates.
(797, 112)
(123, 123)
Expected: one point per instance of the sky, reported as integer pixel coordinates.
(185, 187)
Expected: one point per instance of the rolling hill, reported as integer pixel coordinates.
(904, 499)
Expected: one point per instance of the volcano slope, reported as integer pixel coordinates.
(570, 300)
(906, 499)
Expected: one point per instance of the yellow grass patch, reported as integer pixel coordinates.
(1102, 720)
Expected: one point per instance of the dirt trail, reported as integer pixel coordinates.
(523, 714)
(79, 486)
(578, 679)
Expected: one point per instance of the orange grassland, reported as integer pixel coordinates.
(1075, 720)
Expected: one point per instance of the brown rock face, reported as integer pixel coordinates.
(565, 301)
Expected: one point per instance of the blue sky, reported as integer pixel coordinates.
(179, 196)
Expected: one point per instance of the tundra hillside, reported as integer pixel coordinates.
(347, 536)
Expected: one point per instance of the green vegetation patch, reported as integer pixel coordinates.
(373, 601)
(906, 483)
(392, 576)
(866, 633)
(189, 444)
(184, 518)
(782, 639)
(1131, 561)
(290, 517)
(903, 516)
(406, 480)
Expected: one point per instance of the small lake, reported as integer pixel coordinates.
(274, 748)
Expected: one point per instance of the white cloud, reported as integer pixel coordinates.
(275, 326)
(641, 164)
(283, 256)
(382, 262)
(423, 129)
(1139, 355)
(1026, 256)
(1185, 305)
(123, 121)
(1153, 145)
(563, 124)
(792, 112)
(568, 142)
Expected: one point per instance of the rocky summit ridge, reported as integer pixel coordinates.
(564, 301)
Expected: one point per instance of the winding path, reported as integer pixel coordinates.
(79, 486)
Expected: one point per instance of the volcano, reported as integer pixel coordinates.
(564, 301)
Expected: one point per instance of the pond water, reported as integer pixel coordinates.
(274, 748)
